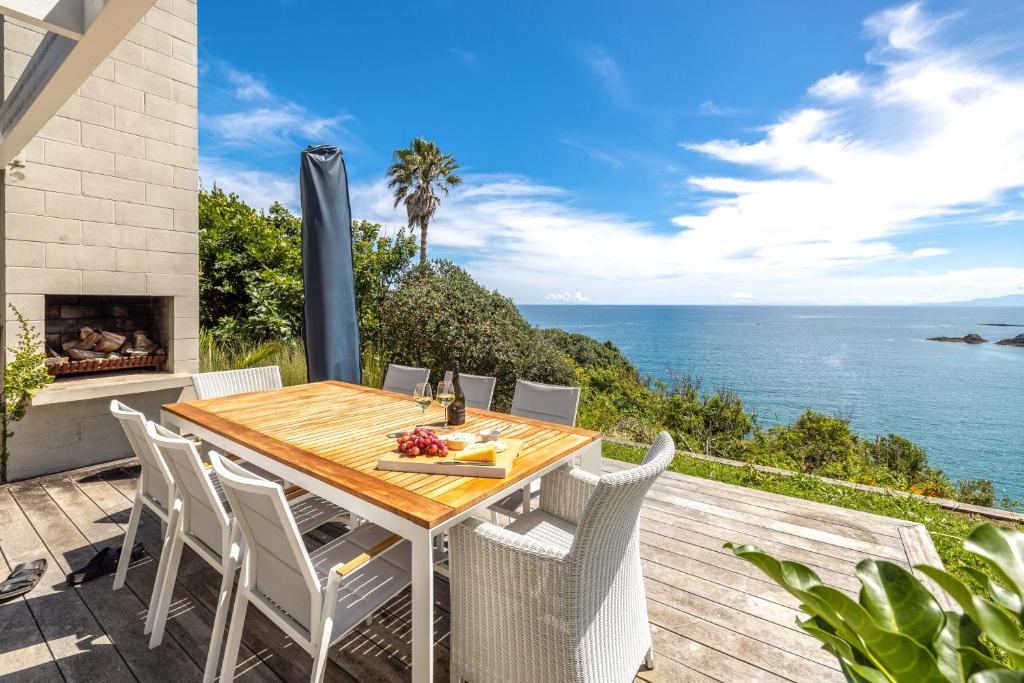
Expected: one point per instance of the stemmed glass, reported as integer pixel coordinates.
(445, 396)
(423, 397)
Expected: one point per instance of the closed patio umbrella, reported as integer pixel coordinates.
(332, 329)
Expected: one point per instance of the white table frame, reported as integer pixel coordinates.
(421, 538)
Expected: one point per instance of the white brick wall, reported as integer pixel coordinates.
(106, 204)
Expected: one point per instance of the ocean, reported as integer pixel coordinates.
(872, 365)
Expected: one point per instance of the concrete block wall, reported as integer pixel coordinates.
(104, 200)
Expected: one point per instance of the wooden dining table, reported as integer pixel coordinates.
(327, 437)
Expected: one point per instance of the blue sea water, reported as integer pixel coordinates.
(872, 365)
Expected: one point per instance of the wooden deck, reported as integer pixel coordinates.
(714, 617)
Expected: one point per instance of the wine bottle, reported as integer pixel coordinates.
(457, 410)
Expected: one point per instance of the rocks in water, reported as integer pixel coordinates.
(971, 338)
(1002, 325)
(1013, 341)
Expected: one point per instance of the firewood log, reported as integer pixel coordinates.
(109, 341)
(82, 354)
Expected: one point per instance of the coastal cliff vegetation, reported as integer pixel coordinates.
(425, 314)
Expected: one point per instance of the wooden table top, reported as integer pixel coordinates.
(337, 432)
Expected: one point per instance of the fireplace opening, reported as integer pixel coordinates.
(90, 334)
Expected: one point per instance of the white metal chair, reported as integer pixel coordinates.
(314, 597)
(228, 382)
(154, 484)
(559, 594)
(479, 389)
(200, 520)
(548, 402)
(402, 379)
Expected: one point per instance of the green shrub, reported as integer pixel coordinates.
(23, 375)
(438, 312)
(899, 631)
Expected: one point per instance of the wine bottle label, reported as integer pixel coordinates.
(456, 414)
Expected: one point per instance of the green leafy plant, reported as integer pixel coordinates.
(24, 375)
(899, 631)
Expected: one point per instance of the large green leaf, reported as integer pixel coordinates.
(998, 676)
(1002, 549)
(1001, 595)
(797, 580)
(859, 673)
(898, 602)
(900, 656)
(993, 620)
(959, 632)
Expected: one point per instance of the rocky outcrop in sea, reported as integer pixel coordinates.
(1013, 341)
(971, 338)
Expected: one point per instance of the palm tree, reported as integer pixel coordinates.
(417, 171)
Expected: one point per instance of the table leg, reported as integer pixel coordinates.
(590, 457)
(423, 609)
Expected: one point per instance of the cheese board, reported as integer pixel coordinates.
(448, 465)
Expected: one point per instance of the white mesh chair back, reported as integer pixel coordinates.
(479, 389)
(547, 402)
(154, 483)
(402, 379)
(228, 382)
(279, 566)
(609, 519)
(203, 516)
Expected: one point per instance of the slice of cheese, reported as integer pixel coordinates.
(483, 453)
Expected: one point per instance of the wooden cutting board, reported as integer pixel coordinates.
(499, 469)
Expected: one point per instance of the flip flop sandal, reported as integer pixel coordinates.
(23, 579)
(103, 563)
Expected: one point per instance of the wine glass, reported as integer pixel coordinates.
(423, 397)
(445, 396)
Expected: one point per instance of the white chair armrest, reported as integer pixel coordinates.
(478, 536)
(565, 491)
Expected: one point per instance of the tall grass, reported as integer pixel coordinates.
(215, 355)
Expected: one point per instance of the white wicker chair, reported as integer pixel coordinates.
(228, 382)
(402, 379)
(314, 597)
(548, 402)
(479, 389)
(153, 490)
(200, 520)
(558, 595)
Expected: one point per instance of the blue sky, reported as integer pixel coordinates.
(655, 152)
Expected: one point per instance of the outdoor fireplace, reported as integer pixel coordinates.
(90, 334)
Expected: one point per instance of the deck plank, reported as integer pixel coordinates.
(713, 616)
(81, 648)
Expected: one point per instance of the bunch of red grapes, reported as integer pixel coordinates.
(421, 441)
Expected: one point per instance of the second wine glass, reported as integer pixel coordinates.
(445, 396)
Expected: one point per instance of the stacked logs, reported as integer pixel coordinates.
(94, 345)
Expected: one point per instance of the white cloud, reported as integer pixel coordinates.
(254, 117)
(278, 125)
(247, 86)
(712, 108)
(739, 297)
(465, 56)
(259, 189)
(837, 86)
(568, 297)
(936, 135)
(607, 71)
(928, 252)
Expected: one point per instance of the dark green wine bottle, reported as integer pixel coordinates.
(457, 409)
